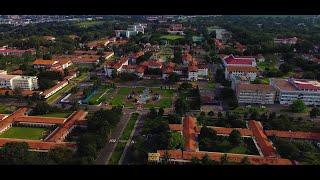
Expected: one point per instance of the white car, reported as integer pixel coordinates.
(112, 140)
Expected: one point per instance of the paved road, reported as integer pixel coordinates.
(136, 134)
(109, 147)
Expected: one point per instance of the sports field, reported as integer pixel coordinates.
(24, 133)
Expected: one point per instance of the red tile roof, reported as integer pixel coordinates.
(37, 144)
(216, 156)
(238, 60)
(39, 119)
(294, 134)
(58, 136)
(189, 133)
(44, 62)
(241, 69)
(264, 143)
(7, 121)
(46, 92)
(192, 68)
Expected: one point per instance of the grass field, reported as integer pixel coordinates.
(24, 133)
(98, 97)
(171, 37)
(57, 114)
(116, 155)
(127, 131)
(2, 109)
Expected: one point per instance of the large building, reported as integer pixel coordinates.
(255, 93)
(15, 52)
(18, 82)
(232, 72)
(291, 89)
(231, 60)
(132, 30)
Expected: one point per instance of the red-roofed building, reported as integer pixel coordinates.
(238, 61)
(15, 52)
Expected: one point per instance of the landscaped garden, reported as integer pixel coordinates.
(130, 96)
(234, 143)
(25, 133)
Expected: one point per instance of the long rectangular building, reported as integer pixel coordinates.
(291, 89)
(255, 93)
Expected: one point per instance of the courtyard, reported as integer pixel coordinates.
(25, 133)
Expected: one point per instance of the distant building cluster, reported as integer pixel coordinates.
(132, 30)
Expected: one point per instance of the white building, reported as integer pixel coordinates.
(16, 81)
(291, 89)
(132, 30)
(255, 93)
(238, 71)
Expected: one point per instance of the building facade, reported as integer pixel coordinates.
(291, 89)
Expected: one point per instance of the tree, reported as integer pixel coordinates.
(314, 112)
(60, 155)
(235, 137)
(41, 108)
(181, 106)
(14, 153)
(210, 113)
(286, 149)
(176, 141)
(160, 112)
(298, 106)
(173, 78)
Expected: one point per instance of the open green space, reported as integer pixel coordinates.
(99, 96)
(57, 114)
(116, 155)
(171, 37)
(127, 131)
(222, 144)
(24, 133)
(2, 109)
(120, 98)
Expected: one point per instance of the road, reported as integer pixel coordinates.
(109, 147)
(136, 134)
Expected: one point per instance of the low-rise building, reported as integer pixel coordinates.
(49, 92)
(289, 41)
(255, 93)
(15, 52)
(291, 89)
(44, 64)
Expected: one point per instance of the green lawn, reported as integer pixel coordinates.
(97, 98)
(124, 91)
(116, 155)
(57, 114)
(24, 133)
(162, 103)
(117, 100)
(171, 37)
(2, 109)
(127, 131)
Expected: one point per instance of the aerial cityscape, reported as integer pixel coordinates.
(159, 89)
